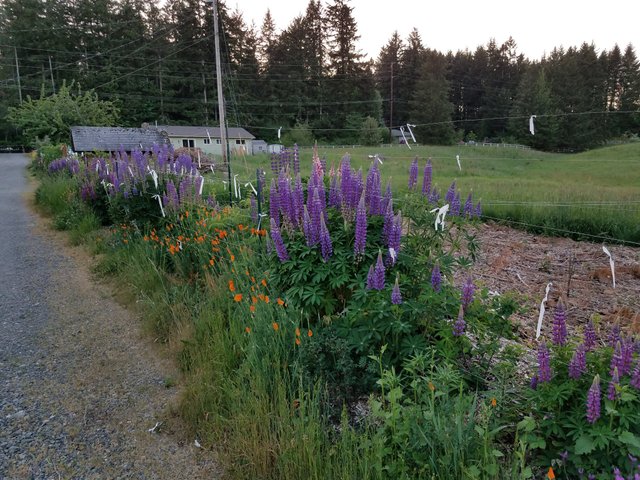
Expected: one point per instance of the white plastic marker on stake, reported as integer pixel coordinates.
(440, 214)
(532, 127)
(154, 176)
(201, 185)
(160, 203)
(279, 130)
(249, 184)
(613, 270)
(405, 138)
(393, 254)
(458, 160)
(236, 189)
(199, 165)
(260, 217)
(409, 125)
(542, 309)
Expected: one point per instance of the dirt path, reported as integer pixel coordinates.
(80, 385)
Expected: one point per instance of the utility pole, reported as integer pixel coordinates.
(53, 85)
(221, 106)
(160, 82)
(204, 90)
(15, 53)
(391, 106)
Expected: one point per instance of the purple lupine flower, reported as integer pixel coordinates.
(468, 207)
(544, 363)
(468, 290)
(478, 211)
(360, 242)
(372, 190)
(378, 274)
(306, 228)
(635, 376)
(285, 198)
(590, 338)
(459, 325)
(395, 236)
(296, 159)
(455, 206)
(436, 278)
(617, 474)
(627, 357)
(396, 296)
(254, 209)
(559, 325)
(370, 278)
(387, 227)
(533, 383)
(386, 200)
(434, 198)
(426, 179)
(614, 335)
(334, 192)
(278, 243)
(578, 363)
(593, 401)
(616, 359)
(413, 174)
(612, 391)
(326, 247)
(451, 193)
(298, 201)
(274, 205)
(172, 202)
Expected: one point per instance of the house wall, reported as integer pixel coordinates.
(214, 147)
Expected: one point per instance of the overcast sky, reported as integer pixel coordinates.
(536, 25)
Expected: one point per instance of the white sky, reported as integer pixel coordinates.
(537, 26)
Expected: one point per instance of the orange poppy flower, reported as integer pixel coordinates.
(550, 474)
(297, 341)
(252, 308)
(493, 402)
(238, 297)
(297, 332)
(280, 302)
(275, 326)
(309, 333)
(254, 299)
(211, 262)
(264, 282)
(266, 299)
(232, 287)
(247, 329)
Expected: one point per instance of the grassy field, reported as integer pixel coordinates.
(591, 195)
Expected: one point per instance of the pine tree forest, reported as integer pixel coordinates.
(156, 62)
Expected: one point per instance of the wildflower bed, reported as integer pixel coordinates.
(336, 343)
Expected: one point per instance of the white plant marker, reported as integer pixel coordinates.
(154, 176)
(532, 127)
(409, 125)
(406, 142)
(458, 160)
(613, 271)
(542, 309)
(440, 214)
(279, 131)
(393, 254)
(236, 189)
(160, 203)
(199, 165)
(201, 185)
(249, 184)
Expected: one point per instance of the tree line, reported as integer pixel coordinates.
(155, 62)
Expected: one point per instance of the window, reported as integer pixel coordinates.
(188, 143)
(239, 142)
(218, 141)
(207, 141)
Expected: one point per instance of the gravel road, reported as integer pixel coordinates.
(80, 384)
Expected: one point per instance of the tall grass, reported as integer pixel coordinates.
(591, 195)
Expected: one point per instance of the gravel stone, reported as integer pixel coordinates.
(80, 384)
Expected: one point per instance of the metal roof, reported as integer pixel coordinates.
(110, 139)
(201, 132)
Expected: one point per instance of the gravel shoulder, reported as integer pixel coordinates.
(80, 384)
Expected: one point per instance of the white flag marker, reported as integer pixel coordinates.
(458, 160)
(532, 127)
(160, 202)
(440, 214)
(542, 309)
(613, 271)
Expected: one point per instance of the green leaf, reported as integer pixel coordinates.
(497, 453)
(584, 445)
(632, 441)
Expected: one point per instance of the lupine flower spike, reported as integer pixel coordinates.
(612, 390)
(590, 338)
(459, 325)
(593, 401)
(468, 290)
(544, 365)
(396, 297)
(436, 278)
(560, 325)
(578, 363)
